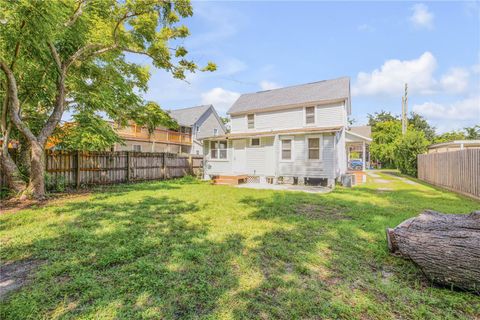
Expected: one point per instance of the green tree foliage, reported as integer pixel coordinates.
(63, 55)
(88, 132)
(381, 116)
(384, 137)
(450, 136)
(420, 124)
(406, 148)
(472, 133)
(152, 116)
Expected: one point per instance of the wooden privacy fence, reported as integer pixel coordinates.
(76, 169)
(458, 171)
(91, 168)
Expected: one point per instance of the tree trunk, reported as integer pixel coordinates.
(11, 173)
(23, 159)
(37, 171)
(446, 247)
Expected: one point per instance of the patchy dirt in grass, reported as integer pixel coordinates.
(14, 205)
(316, 211)
(381, 181)
(384, 189)
(16, 274)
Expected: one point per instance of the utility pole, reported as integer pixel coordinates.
(405, 110)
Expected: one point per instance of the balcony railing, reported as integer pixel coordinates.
(160, 135)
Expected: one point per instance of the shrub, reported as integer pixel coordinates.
(55, 183)
(407, 147)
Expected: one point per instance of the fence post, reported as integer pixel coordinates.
(128, 166)
(77, 176)
(190, 165)
(164, 165)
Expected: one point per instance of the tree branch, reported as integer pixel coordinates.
(77, 13)
(56, 57)
(12, 96)
(58, 109)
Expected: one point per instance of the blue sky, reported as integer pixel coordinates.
(434, 46)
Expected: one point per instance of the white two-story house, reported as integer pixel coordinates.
(292, 135)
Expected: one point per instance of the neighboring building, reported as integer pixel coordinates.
(292, 134)
(137, 138)
(204, 122)
(195, 123)
(454, 146)
(358, 140)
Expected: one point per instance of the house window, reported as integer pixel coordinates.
(137, 148)
(255, 142)
(251, 121)
(138, 129)
(286, 149)
(314, 148)
(310, 115)
(215, 132)
(218, 149)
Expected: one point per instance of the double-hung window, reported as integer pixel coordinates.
(310, 115)
(218, 149)
(137, 148)
(313, 148)
(251, 121)
(286, 149)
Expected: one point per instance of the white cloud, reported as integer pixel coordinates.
(221, 99)
(466, 109)
(365, 28)
(268, 85)
(421, 17)
(455, 80)
(393, 74)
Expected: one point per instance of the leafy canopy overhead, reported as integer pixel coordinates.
(87, 41)
(88, 132)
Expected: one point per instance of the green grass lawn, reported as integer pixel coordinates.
(186, 249)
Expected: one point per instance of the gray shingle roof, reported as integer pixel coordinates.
(188, 116)
(365, 131)
(325, 90)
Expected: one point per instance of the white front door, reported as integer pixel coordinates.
(239, 156)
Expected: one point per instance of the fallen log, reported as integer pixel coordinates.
(446, 247)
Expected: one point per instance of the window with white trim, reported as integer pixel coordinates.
(310, 115)
(218, 149)
(313, 148)
(251, 121)
(255, 142)
(137, 148)
(286, 149)
(215, 132)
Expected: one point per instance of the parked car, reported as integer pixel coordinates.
(355, 164)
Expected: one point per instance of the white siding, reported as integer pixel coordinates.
(278, 120)
(216, 167)
(341, 153)
(328, 115)
(261, 160)
(324, 168)
(238, 123)
(207, 123)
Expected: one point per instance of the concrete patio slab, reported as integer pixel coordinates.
(285, 187)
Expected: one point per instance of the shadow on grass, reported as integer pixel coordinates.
(144, 258)
(127, 260)
(106, 191)
(332, 262)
